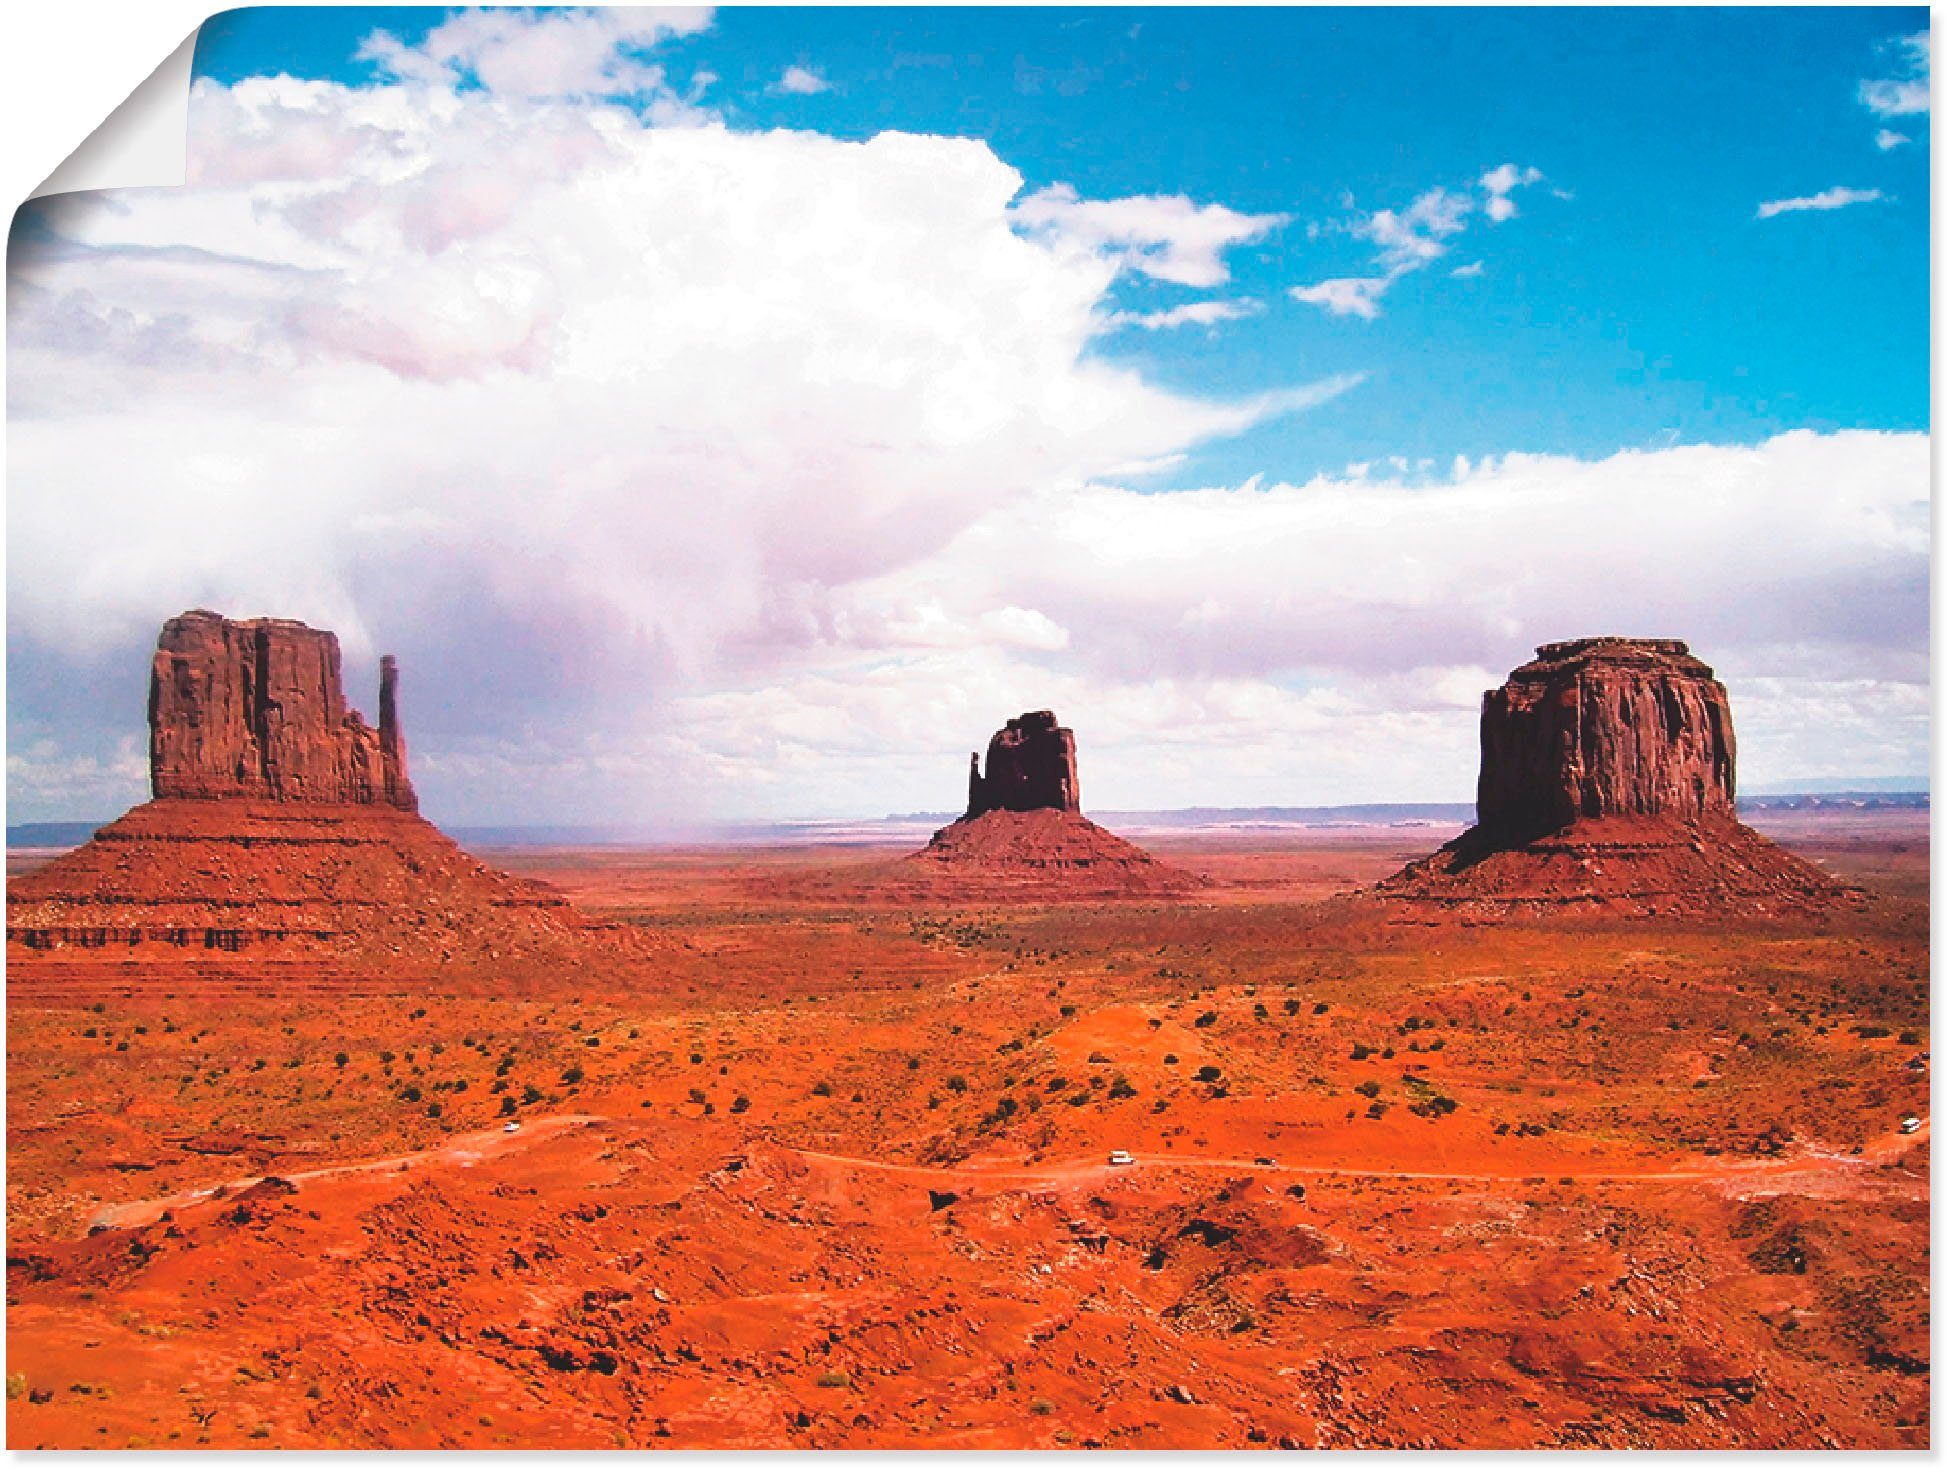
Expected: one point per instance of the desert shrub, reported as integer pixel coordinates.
(1122, 1088)
(1370, 1088)
(957, 1082)
(572, 1074)
(823, 1088)
(834, 1380)
(1206, 1019)
(1209, 1073)
(739, 1104)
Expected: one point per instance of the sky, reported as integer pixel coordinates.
(739, 414)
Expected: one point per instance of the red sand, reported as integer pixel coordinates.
(801, 1171)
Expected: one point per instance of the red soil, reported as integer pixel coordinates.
(808, 1173)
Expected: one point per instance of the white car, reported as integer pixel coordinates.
(512, 1127)
(1909, 1125)
(1121, 1157)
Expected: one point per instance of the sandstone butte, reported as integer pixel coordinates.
(1608, 781)
(280, 822)
(1024, 828)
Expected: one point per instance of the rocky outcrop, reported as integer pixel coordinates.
(281, 823)
(1608, 783)
(1605, 728)
(255, 708)
(1023, 831)
(1030, 765)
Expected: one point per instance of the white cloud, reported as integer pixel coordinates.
(1190, 314)
(1469, 272)
(1329, 641)
(802, 81)
(579, 415)
(1168, 237)
(1887, 140)
(1836, 198)
(1500, 184)
(1412, 239)
(1346, 296)
(1908, 93)
(594, 52)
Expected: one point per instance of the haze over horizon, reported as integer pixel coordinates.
(733, 415)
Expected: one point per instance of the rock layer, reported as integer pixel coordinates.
(1030, 765)
(1608, 782)
(255, 708)
(1605, 728)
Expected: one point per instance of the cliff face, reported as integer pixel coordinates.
(1605, 728)
(255, 708)
(1030, 765)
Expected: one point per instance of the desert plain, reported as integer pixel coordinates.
(801, 1163)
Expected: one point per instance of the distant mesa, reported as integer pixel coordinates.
(1024, 826)
(1608, 780)
(280, 819)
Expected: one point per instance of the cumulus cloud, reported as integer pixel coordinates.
(1836, 198)
(1886, 140)
(1500, 184)
(1908, 92)
(542, 398)
(1169, 237)
(802, 81)
(1409, 240)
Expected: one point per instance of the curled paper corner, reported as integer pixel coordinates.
(143, 143)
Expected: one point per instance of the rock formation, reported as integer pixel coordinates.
(1024, 828)
(1605, 728)
(1030, 764)
(254, 708)
(1608, 779)
(280, 820)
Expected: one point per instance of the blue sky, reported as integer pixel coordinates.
(741, 414)
(1650, 307)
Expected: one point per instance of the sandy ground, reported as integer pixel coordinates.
(836, 1174)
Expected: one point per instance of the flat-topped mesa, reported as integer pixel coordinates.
(1030, 765)
(1605, 728)
(255, 708)
(1608, 783)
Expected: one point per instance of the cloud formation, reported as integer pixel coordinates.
(1410, 240)
(574, 408)
(693, 472)
(1168, 237)
(1189, 314)
(596, 52)
(1907, 93)
(802, 81)
(1836, 198)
